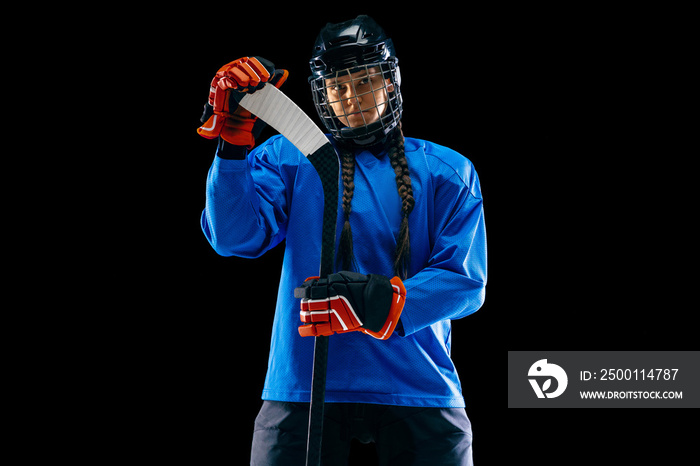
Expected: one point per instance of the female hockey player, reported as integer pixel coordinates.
(410, 210)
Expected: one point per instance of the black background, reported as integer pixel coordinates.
(563, 114)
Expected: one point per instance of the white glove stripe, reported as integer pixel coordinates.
(331, 309)
(398, 292)
(213, 124)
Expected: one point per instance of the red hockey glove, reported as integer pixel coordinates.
(222, 114)
(349, 301)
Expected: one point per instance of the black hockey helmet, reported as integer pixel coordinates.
(343, 51)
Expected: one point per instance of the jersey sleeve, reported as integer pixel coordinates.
(453, 283)
(246, 210)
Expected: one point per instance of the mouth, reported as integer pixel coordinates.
(359, 118)
(359, 114)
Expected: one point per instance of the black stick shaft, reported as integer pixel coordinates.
(326, 163)
(318, 393)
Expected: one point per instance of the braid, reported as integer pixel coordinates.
(348, 176)
(397, 158)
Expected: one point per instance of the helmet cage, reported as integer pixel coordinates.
(324, 96)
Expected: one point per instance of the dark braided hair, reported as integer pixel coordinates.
(347, 161)
(397, 158)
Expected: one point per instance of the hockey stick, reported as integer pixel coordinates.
(278, 111)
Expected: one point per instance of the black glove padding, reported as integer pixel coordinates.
(369, 295)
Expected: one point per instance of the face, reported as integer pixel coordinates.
(359, 98)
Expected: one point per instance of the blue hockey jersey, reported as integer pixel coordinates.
(275, 194)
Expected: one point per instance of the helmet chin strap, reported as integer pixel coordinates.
(366, 141)
(375, 143)
(372, 138)
(370, 141)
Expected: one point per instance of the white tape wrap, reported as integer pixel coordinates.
(277, 110)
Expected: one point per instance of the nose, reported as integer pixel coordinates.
(350, 98)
